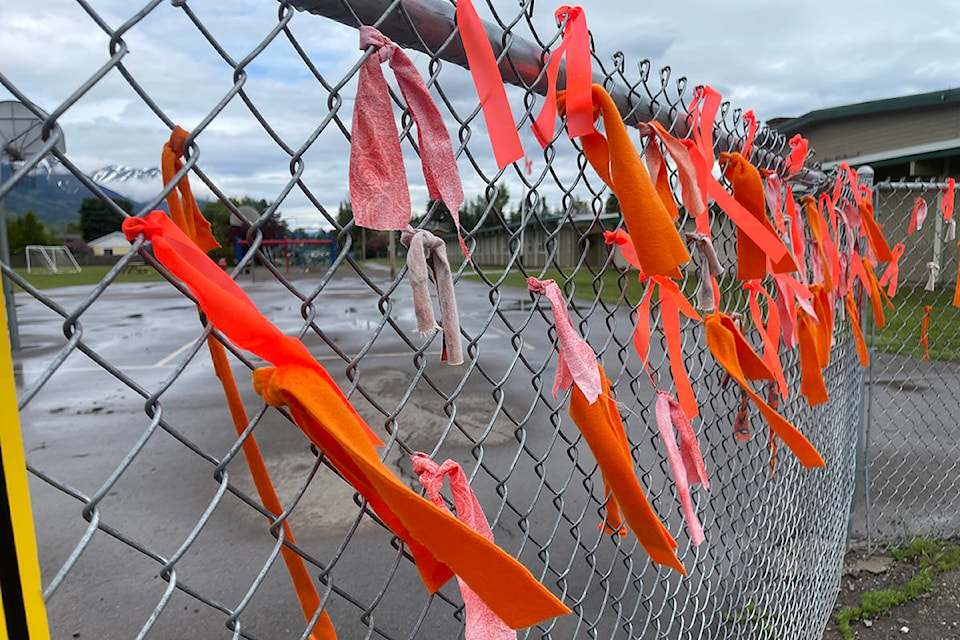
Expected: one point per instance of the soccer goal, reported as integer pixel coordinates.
(50, 259)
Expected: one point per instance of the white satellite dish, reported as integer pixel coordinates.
(21, 133)
(21, 139)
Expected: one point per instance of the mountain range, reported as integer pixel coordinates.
(54, 194)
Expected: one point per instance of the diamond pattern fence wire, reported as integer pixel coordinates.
(912, 455)
(149, 525)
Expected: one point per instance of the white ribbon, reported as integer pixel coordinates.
(934, 269)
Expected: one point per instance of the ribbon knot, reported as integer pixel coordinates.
(427, 252)
(378, 180)
(265, 384)
(709, 268)
(933, 273)
(180, 201)
(132, 227)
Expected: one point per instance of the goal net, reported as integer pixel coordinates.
(50, 259)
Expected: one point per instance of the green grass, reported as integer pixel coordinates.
(901, 335)
(88, 276)
(930, 556)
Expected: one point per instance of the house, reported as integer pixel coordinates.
(113, 244)
(915, 137)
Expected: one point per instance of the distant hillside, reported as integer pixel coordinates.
(51, 192)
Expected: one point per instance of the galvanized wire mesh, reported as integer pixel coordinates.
(147, 521)
(912, 455)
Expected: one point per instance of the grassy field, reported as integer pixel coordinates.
(901, 335)
(88, 276)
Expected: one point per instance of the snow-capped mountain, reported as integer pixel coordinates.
(139, 185)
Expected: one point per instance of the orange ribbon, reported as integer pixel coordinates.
(798, 155)
(874, 235)
(182, 205)
(681, 151)
(486, 77)
(946, 203)
(812, 386)
(750, 120)
(924, 333)
(703, 111)
(825, 249)
(753, 246)
(854, 315)
(440, 544)
(575, 46)
(862, 269)
(602, 428)
(769, 334)
(892, 272)
(731, 349)
(618, 164)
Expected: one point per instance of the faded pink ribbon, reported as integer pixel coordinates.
(918, 216)
(708, 266)
(577, 363)
(428, 253)
(686, 462)
(378, 181)
(481, 622)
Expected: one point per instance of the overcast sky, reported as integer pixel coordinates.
(779, 59)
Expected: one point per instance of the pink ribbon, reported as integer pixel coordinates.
(481, 623)
(918, 216)
(577, 363)
(709, 268)
(378, 180)
(686, 462)
(773, 189)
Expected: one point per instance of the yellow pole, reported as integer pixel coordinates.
(23, 613)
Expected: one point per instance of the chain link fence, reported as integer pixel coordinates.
(147, 519)
(911, 450)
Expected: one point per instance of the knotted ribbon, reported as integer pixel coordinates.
(427, 252)
(481, 622)
(618, 164)
(750, 120)
(440, 545)
(951, 233)
(576, 362)
(731, 349)
(672, 303)
(575, 46)
(486, 78)
(892, 272)
(925, 333)
(686, 462)
(602, 428)
(378, 180)
(748, 191)
(918, 215)
(933, 274)
(709, 268)
(798, 155)
(183, 206)
(681, 152)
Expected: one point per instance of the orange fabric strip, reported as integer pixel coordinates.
(672, 303)
(486, 77)
(770, 334)
(182, 205)
(946, 203)
(617, 162)
(854, 315)
(440, 544)
(750, 120)
(798, 155)
(874, 235)
(730, 350)
(925, 332)
(823, 305)
(892, 272)
(603, 430)
(748, 191)
(812, 386)
(956, 291)
(703, 111)
(575, 46)
(682, 153)
(818, 227)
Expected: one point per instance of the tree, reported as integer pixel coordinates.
(97, 220)
(25, 230)
(612, 205)
(218, 214)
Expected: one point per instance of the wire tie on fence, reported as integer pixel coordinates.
(481, 622)
(686, 462)
(486, 77)
(618, 164)
(575, 48)
(602, 428)
(428, 253)
(440, 544)
(378, 180)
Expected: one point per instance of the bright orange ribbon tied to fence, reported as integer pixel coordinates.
(925, 332)
(797, 156)
(486, 77)
(857, 331)
(575, 47)
(440, 544)
(618, 164)
(188, 218)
